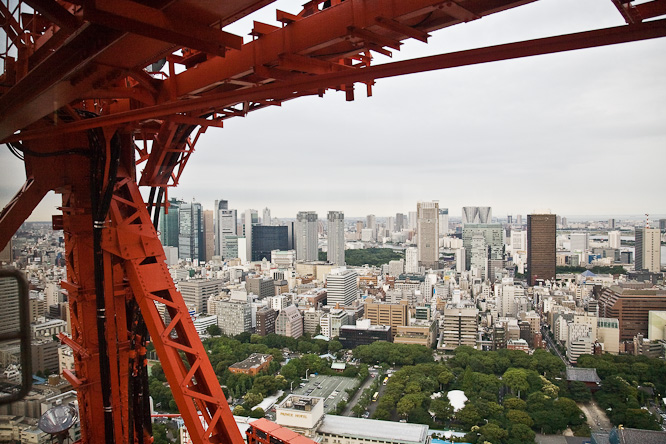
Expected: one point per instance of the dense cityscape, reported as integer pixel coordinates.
(464, 327)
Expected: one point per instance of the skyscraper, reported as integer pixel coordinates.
(341, 287)
(305, 236)
(400, 221)
(267, 238)
(648, 249)
(250, 219)
(541, 234)
(336, 238)
(614, 239)
(266, 219)
(443, 221)
(191, 233)
(226, 231)
(579, 241)
(428, 233)
(169, 225)
(209, 235)
(477, 215)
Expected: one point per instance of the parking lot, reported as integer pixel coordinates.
(331, 388)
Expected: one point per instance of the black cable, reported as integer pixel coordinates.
(158, 207)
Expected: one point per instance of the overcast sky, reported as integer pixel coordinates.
(581, 133)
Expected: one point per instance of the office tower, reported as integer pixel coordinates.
(459, 327)
(662, 224)
(305, 236)
(262, 287)
(266, 219)
(519, 219)
(509, 219)
(611, 223)
(394, 315)
(479, 254)
(443, 221)
(341, 287)
(477, 215)
(197, 291)
(226, 221)
(233, 316)
(266, 321)
(250, 220)
(412, 220)
(518, 241)
(631, 307)
(359, 229)
(614, 239)
(390, 225)
(370, 221)
(428, 233)
(648, 249)
(412, 260)
(9, 306)
(399, 221)
(289, 322)
(565, 223)
(209, 235)
(191, 233)
(541, 234)
(169, 225)
(266, 239)
(493, 235)
(336, 238)
(579, 241)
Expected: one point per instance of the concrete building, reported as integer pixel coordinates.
(289, 322)
(477, 215)
(44, 356)
(197, 291)
(311, 321)
(252, 365)
(266, 321)
(342, 287)
(411, 260)
(541, 247)
(657, 325)
(260, 286)
(266, 219)
(608, 334)
(226, 235)
(363, 333)
(9, 306)
(332, 321)
(427, 240)
(305, 236)
(233, 316)
(202, 322)
(459, 327)
(648, 249)
(419, 332)
(344, 429)
(209, 235)
(614, 239)
(250, 220)
(631, 308)
(492, 247)
(394, 315)
(48, 329)
(336, 238)
(579, 241)
(283, 259)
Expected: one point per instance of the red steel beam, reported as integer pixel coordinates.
(548, 45)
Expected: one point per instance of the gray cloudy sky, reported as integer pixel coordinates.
(581, 133)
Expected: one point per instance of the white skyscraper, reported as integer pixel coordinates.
(477, 215)
(428, 233)
(250, 219)
(341, 287)
(412, 260)
(266, 220)
(305, 236)
(336, 238)
(614, 239)
(443, 221)
(412, 220)
(518, 241)
(579, 241)
(225, 227)
(647, 248)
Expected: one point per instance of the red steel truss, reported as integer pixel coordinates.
(84, 100)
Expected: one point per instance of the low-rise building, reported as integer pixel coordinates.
(418, 332)
(255, 363)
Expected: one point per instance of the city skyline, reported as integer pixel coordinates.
(551, 130)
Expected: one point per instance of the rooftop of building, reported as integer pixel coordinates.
(370, 328)
(281, 433)
(639, 436)
(373, 429)
(298, 402)
(252, 361)
(583, 374)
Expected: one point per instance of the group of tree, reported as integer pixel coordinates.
(393, 354)
(627, 382)
(368, 256)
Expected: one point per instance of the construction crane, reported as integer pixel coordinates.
(93, 89)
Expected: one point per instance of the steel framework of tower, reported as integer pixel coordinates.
(89, 91)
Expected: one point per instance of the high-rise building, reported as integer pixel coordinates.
(648, 249)
(611, 223)
(359, 230)
(233, 316)
(266, 219)
(631, 307)
(411, 260)
(387, 314)
(336, 238)
(428, 233)
(169, 225)
(289, 322)
(266, 321)
(341, 287)
(209, 235)
(371, 221)
(614, 239)
(305, 236)
(262, 287)
(9, 306)
(197, 291)
(579, 241)
(413, 217)
(443, 221)
(519, 219)
(250, 220)
(518, 241)
(541, 247)
(662, 224)
(493, 234)
(477, 215)
(400, 221)
(266, 239)
(459, 327)
(191, 232)
(225, 226)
